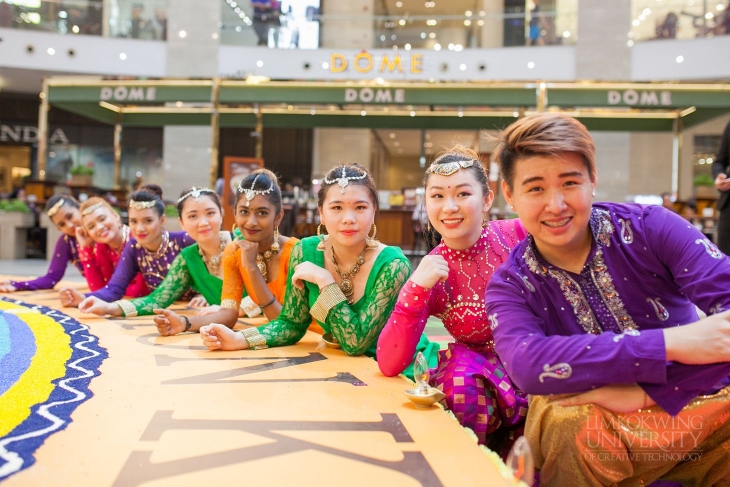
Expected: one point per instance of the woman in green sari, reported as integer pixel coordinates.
(197, 266)
(348, 282)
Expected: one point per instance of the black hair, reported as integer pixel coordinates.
(460, 153)
(150, 192)
(67, 200)
(265, 179)
(352, 170)
(209, 193)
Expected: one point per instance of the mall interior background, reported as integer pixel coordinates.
(312, 40)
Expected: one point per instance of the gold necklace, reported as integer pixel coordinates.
(263, 258)
(213, 263)
(346, 285)
(162, 248)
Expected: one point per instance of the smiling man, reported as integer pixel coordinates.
(594, 316)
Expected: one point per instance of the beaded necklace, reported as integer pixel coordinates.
(346, 284)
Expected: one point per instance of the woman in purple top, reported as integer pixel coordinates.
(150, 252)
(63, 210)
(598, 305)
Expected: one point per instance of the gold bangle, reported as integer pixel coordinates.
(328, 298)
(127, 307)
(256, 340)
(229, 304)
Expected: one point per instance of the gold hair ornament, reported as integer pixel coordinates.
(251, 193)
(141, 205)
(344, 180)
(91, 209)
(54, 209)
(195, 193)
(449, 168)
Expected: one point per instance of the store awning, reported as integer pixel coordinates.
(483, 105)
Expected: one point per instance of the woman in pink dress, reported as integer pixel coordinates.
(450, 283)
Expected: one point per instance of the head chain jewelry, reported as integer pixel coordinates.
(449, 168)
(251, 193)
(195, 193)
(344, 180)
(91, 209)
(54, 209)
(141, 205)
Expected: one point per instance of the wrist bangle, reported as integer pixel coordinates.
(273, 298)
(187, 323)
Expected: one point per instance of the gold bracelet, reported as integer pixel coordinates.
(229, 304)
(328, 298)
(127, 308)
(256, 340)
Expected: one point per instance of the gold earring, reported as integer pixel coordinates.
(372, 242)
(275, 247)
(485, 220)
(428, 225)
(320, 245)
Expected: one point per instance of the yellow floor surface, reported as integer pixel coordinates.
(167, 412)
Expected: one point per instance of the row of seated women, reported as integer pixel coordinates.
(577, 299)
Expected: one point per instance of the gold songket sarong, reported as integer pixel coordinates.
(592, 446)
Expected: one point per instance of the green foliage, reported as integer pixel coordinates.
(82, 171)
(171, 211)
(704, 180)
(14, 206)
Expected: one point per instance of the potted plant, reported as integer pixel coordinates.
(15, 219)
(705, 187)
(82, 175)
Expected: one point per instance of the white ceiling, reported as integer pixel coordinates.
(418, 7)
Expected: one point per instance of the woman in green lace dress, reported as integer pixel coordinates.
(197, 266)
(347, 281)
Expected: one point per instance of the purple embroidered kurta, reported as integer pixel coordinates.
(558, 332)
(67, 250)
(152, 265)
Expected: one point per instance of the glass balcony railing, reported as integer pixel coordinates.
(299, 24)
(305, 28)
(677, 19)
(109, 18)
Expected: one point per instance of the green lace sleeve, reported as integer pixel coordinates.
(171, 288)
(292, 323)
(358, 331)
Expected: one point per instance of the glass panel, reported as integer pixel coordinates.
(297, 25)
(133, 19)
(677, 19)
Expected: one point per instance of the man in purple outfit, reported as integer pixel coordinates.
(594, 316)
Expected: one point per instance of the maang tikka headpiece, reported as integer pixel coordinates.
(195, 193)
(449, 168)
(344, 180)
(251, 193)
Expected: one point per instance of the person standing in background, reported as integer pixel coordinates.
(722, 183)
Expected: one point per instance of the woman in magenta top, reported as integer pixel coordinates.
(450, 283)
(63, 210)
(101, 244)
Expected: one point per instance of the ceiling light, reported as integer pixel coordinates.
(437, 47)
(259, 64)
(51, 51)
(408, 47)
(122, 56)
(413, 114)
(392, 135)
(468, 13)
(467, 22)
(182, 34)
(399, 4)
(680, 59)
(75, 29)
(530, 65)
(402, 22)
(325, 66)
(462, 67)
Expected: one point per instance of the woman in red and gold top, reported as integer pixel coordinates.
(102, 225)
